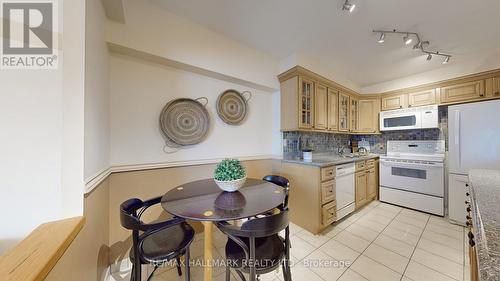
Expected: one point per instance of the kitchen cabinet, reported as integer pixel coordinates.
(344, 112)
(463, 92)
(372, 183)
(366, 182)
(493, 87)
(361, 191)
(312, 196)
(394, 102)
(354, 114)
(333, 109)
(320, 107)
(306, 99)
(368, 116)
(420, 98)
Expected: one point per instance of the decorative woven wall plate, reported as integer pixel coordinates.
(232, 106)
(184, 122)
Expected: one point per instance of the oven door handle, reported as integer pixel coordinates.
(411, 165)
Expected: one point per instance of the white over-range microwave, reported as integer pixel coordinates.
(422, 117)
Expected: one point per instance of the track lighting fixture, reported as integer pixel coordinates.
(408, 38)
(382, 38)
(348, 6)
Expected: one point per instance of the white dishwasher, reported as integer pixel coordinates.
(344, 190)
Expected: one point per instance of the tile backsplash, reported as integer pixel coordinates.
(325, 142)
(319, 142)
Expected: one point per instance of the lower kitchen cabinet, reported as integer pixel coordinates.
(313, 202)
(361, 191)
(372, 183)
(312, 195)
(366, 182)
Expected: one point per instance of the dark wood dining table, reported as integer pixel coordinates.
(204, 201)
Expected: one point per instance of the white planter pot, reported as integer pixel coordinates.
(231, 186)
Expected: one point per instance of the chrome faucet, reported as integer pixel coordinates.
(363, 151)
(340, 151)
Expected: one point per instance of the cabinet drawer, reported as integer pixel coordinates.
(327, 173)
(329, 213)
(370, 163)
(327, 191)
(360, 165)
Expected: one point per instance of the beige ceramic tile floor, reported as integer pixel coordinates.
(379, 242)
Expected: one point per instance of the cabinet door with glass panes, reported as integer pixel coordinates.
(354, 107)
(343, 112)
(306, 103)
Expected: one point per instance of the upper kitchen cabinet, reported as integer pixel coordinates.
(354, 107)
(369, 116)
(420, 98)
(493, 87)
(320, 107)
(333, 109)
(306, 101)
(394, 102)
(463, 92)
(310, 102)
(344, 119)
(297, 104)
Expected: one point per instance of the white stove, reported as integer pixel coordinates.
(412, 175)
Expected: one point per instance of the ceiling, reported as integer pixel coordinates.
(320, 30)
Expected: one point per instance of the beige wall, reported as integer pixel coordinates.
(103, 240)
(87, 258)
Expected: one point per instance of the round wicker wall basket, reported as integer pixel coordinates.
(184, 122)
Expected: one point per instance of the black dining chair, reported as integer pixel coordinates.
(283, 182)
(155, 243)
(256, 247)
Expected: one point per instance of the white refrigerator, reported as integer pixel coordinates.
(473, 143)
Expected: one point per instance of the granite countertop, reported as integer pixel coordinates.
(327, 159)
(485, 198)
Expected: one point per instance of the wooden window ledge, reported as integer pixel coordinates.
(34, 257)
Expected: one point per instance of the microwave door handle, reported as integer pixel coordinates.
(457, 137)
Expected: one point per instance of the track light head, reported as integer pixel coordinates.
(381, 38)
(348, 6)
(446, 60)
(429, 57)
(407, 39)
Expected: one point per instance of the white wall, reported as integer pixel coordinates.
(140, 89)
(152, 29)
(97, 123)
(41, 135)
(457, 67)
(318, 67)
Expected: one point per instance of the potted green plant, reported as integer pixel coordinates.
(230, 175)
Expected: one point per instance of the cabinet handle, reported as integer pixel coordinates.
(409, 105)
(497, 93)
(468, 223)
(467, 185)
(468, 209)
(468, 217)
(467, 194)
(400, 106)
(481, 94)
